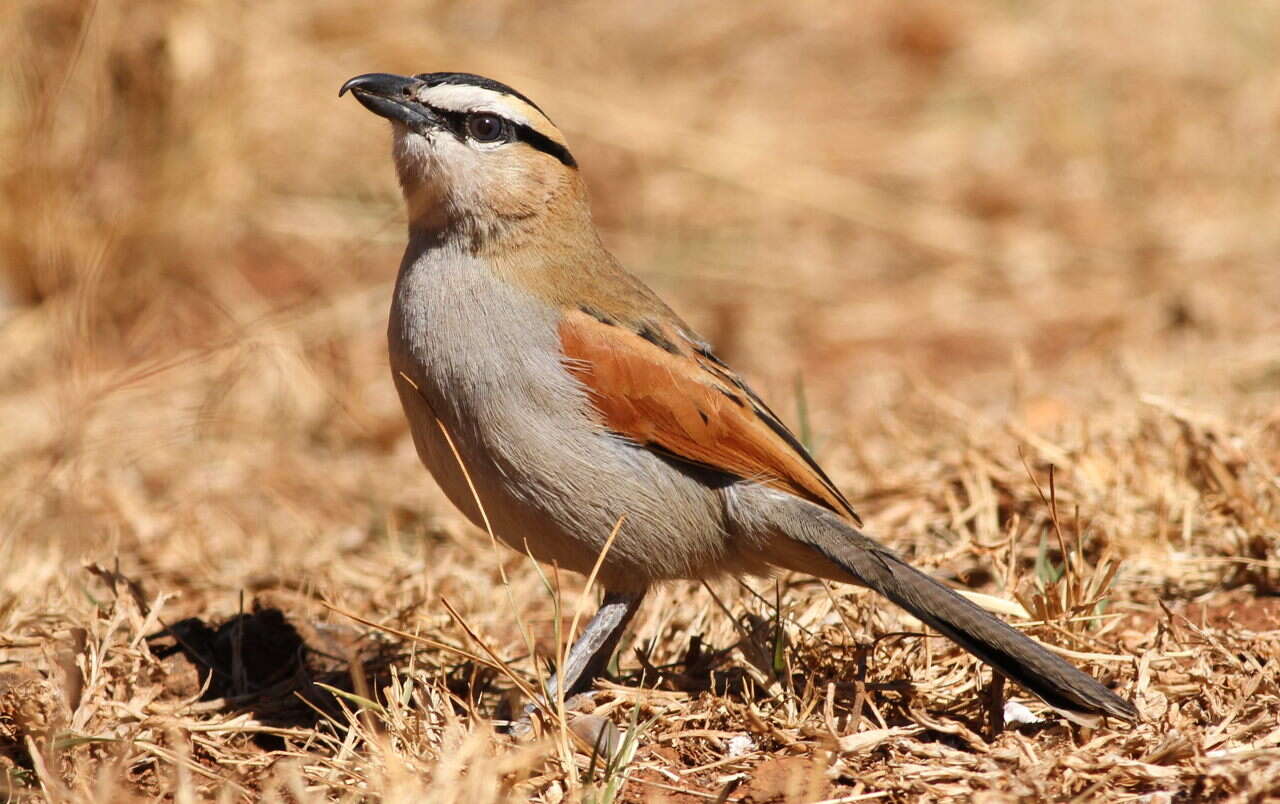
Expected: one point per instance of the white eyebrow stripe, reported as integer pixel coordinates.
(465, 98)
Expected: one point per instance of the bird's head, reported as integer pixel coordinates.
(473, 155)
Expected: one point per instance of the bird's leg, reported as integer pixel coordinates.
(589, 655)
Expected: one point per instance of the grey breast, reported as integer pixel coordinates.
(486, 360)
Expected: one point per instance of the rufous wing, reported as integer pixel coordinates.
(654, 386)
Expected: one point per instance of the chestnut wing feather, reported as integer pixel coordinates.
(667, 394)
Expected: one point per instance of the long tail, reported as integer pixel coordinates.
(1015, 656)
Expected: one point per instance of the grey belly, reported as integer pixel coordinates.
(531, 462)
(557, 491)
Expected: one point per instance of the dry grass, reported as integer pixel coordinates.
(977, 240)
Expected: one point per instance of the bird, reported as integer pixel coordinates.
(560, 404)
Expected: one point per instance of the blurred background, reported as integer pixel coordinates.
(1044, 211)
(941, 238)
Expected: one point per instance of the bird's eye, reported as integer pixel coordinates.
(485, 127)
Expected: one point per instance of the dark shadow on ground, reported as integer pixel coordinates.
(259, 662)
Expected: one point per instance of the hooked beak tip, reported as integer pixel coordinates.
(387, 85)
(393, 97)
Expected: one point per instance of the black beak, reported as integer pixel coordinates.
(393, 97)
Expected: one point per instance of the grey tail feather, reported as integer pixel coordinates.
(1012, 654)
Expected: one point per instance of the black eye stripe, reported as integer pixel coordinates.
(539, 141)
(456, 122)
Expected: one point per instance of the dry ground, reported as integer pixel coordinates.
(957, 244)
